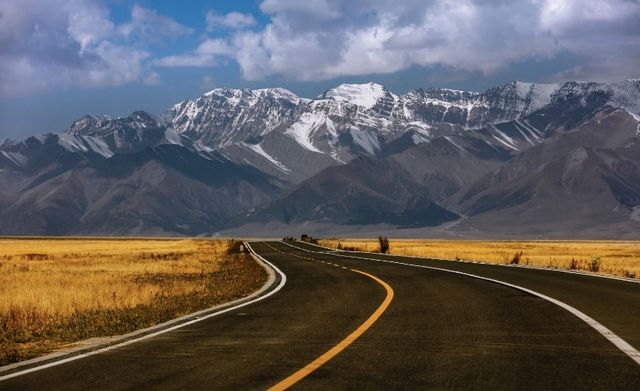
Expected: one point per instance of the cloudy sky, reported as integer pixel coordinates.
(62, 59)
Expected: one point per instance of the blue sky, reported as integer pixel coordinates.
(62, 59)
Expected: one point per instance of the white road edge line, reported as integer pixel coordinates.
(266, 264)
(616, 340)
(546, 269)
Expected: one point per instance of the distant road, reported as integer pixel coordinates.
(345, 323)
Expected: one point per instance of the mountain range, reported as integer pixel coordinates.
(522, 159)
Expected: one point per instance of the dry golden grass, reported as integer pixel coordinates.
(620, 258)
(56, 291)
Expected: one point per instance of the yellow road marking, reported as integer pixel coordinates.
(334, 351)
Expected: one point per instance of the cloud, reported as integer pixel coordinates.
(325, 39)
(74, 43)
(88, 25)
(148, 23)
(205, 55)
(232, 20)
(47, 44)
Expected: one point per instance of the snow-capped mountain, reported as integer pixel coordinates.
(226, 116)
(294, 138)
(101, 126)
(367, 95)
(392, 157)
(123, 135)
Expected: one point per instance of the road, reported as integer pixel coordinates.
(330, 321)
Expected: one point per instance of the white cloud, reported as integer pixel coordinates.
(205, 55)
(317, 9)
(49, 44)
(324, 39)
(88, 24)
(74, 42)
(232, 20)
(149, 24)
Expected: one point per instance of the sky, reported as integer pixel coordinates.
(60, 60)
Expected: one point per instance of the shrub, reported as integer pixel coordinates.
(384, 244)
(36, 256)
(308, 239)
(594, 264)
(574, 265)
(235, 247)
(516, 258)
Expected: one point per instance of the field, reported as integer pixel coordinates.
(54, 292)
(621, 258)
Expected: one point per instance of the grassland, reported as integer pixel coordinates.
(56, 292)
(621, 258)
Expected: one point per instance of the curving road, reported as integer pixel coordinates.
(348, 323)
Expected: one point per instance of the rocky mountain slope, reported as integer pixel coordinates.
(587, 179)
(52, 186)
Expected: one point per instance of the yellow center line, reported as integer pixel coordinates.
(334, 351)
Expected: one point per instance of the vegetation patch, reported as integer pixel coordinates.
(383, 243)
(56, 292)
(620, 258)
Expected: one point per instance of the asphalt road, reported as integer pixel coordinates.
(614, 303)
(440, 330)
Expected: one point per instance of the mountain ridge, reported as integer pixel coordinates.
(417, 159)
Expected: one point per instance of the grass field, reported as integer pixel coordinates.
(621, 258)
(57, 291)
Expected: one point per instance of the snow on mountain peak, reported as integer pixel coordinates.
(518, 98)
(522, 88)
(626, 94)
(365, 95)
(277, 93)
(281, 93)
(222, 91)
(83, 125)
(227, 116)
(539, 94)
